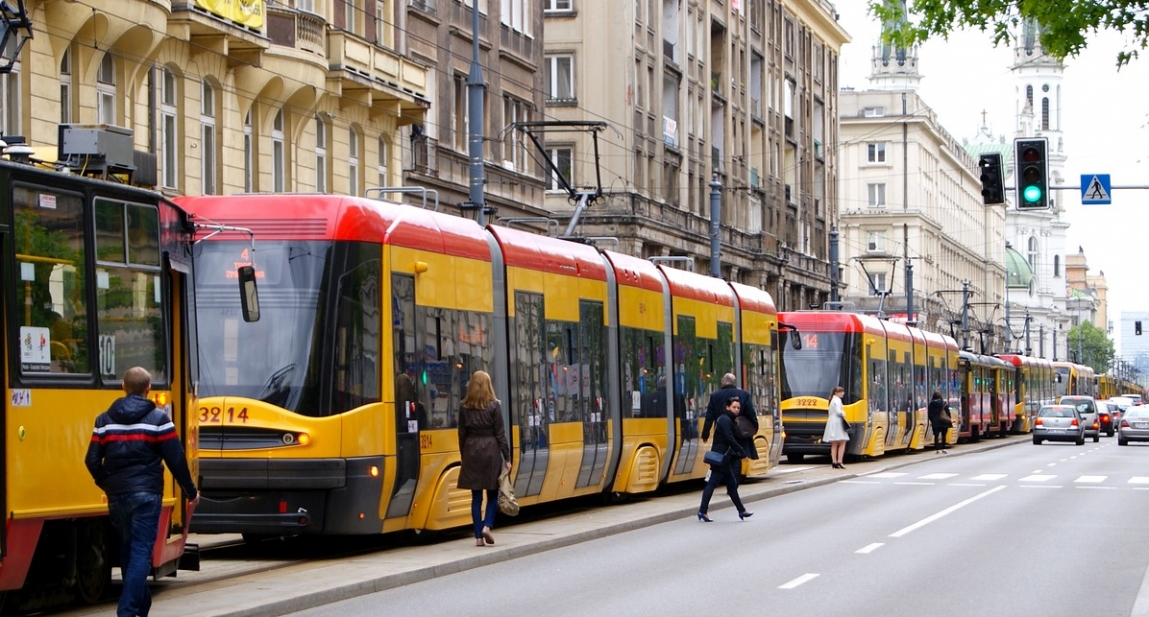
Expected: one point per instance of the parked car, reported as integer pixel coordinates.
(1087, 407)
(1059, 423)
(1134, 425)
(1117, 407)
(1105, 418)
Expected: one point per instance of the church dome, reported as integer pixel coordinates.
(1018, 272)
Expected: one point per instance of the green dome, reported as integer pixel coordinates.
(1018, 272)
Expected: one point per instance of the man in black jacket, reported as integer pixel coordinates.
(717, 405)
(130, 443)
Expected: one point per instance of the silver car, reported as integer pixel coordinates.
(1134, 425)
(1059, 423)
(1087, 407)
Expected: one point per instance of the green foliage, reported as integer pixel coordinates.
(1096, 350)
(1065, 25)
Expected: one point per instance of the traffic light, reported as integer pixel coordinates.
(992, 191)
(1032, 172)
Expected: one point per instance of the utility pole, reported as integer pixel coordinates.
(1028, 346)
(965, 314)
(475, 94)
(1041, 339)
(910, 319)
(834, 265)
(715, 226)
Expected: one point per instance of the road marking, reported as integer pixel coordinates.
(1098, 488)
(870, 548)
(1041, 486)
(937, 476)
(858, 482)
(964, 484)
(1091, 479)
(805, 578)
(915, 483)
(988, 476)
(933, 517)
(1037, 478)
(886, 474)
(782, 470)
(1139, 480)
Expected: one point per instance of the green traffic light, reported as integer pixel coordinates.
(1032, 194)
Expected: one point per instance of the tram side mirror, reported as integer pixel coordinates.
(793, 334)
(248, 295)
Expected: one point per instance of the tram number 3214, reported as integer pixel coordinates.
(215, 415)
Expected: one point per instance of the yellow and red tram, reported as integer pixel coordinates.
(888, 371)
(1034, 385)
(96, 279)
(987, 397)
(336, 413)
(1074, 379)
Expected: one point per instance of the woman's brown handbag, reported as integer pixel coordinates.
(507, 503)
(745, 427)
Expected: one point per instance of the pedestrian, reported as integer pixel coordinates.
(717, 405)
(940, 420)
(836, 433)
(725, 443)
(129, 442)
(484, 451)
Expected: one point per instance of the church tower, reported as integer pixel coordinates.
(895, 69)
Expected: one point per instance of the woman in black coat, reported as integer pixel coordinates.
(725, 441)
(938, 414)
(484, 451)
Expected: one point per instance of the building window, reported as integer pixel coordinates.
(873, 112)
(878, 283)
(559, 77)
(1057, 265)
(305, 5)
(207, 138)
(876, 152)
(384, 154)
(353, 161)
(169, 134)
(1045, 113)
(349, 15)
(876, 194)
(66, 87)
(516, 15)
(561, 157)
(556, 5)
(459, 121)
(248, 154)
(1032, 256)
(514, 148)
(106, 90)
(278, 154)
(875, 242)
(320, 155)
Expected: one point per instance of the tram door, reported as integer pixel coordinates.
(4, 374)
(409, 410)
(591, 362)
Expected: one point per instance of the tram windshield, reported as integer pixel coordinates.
(1062, 386)
(319, 324)
(826, 360)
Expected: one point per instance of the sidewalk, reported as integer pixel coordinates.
(288, 589)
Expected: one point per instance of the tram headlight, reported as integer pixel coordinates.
(303, 439)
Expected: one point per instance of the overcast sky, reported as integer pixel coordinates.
(1105, 118)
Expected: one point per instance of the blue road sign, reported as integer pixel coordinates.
(1096, 189)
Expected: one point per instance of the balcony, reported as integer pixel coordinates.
(376, 77)
(226, 30)
(287, 27)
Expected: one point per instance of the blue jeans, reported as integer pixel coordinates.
(137, 517)
(477, 517)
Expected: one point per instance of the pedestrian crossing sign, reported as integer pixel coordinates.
(1096, 189)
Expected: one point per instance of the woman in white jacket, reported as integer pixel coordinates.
(835, 433)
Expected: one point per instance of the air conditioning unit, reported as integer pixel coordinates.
(96, 148)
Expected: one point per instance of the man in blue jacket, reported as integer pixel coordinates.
(124, 457)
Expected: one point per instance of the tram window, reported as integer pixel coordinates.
(528, 368)
(592, 364)
(129, 297)
(357, 344)
(50, 290)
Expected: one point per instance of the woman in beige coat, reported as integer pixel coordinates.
(484, 451)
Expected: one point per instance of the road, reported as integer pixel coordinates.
(1021, 530)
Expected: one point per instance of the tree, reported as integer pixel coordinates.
(1064, 25)
(1091, 346)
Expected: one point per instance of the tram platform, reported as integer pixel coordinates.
(283, 590)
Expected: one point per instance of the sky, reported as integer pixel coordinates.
(1105, 117)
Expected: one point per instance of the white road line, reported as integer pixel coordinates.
(1139, 480)
(1141, 604)
(988, 476)
(964, 484)
(937, 476)
(915, 483)
(886, 474)
(1041, 486)
(1098, 488)
(1037, 478)
(1091, 479)
(870, 548)
(858, 482)
(805, 578)
(933, 517)
(782, 470)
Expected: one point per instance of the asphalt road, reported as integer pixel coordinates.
(1048, 530)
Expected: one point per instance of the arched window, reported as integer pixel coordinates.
(106, 90)
(169, 128)
(353, 161)
(278, 154)
(320, 155)
(208, 141)
(1057, 265)
(66, 86)
(1029, 96)
(1045, 113)
(384, 156)
(1032, 257)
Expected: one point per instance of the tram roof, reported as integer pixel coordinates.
(635, 272)
(529, 250)
(754, 299)
(292, 216)
(833, 321)
(685, 284)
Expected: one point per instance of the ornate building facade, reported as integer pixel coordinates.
(741, 92)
